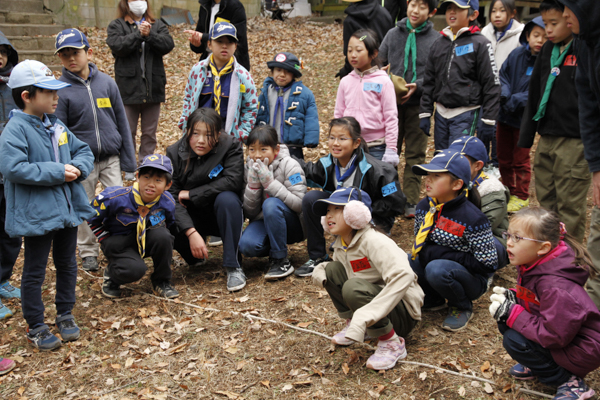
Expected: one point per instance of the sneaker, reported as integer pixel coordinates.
(515, 204)
(278, 268)
(42, 339)
(307, 268)
(8, 291)
(340, 338)
(236, 279)
(457, 319)
(6, 365)
(5, 312)
(521, 372)
(165, 289)
(410, 210)
(69, 331)
(387, 354)
(575, 389)
(89, 264)
(214, 241)
(434, 305)
(109, 288)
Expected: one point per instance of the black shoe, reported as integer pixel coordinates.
(109, 288)
(165, 289)
(42, 339)
(307, 268)
(279, 268)
(89, 264)
(69, 331)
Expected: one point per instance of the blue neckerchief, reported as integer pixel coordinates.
(279, 106)
(349, 172)
(500, 35)
(138, 23)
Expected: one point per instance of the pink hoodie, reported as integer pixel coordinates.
(370, 99)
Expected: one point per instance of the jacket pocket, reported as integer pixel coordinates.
(126, 218)
(581, 171)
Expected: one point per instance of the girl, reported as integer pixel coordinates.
(550, 325)
(348, 164)
(208, 180)
(272, 201)
(454, 253)
(369, 280)
(372, 102)
(138, 42)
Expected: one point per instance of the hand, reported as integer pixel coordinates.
(390, 156)
(130, 176)
(508, 293)
(425, 125)
(264, 172)
(500, 307)
(485, 131)
(197, 245)
(71, 173)
(253, 181)
(195, 37)
(145, 28)
(183, 195)
(596, 186)
(412, 87)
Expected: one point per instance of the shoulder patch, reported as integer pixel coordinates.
(295, 179)
(388, 189)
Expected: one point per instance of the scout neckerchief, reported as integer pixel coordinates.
(410, 50)
(280, 107)
(341, 178)
(556, 61)
(426, 226)
(480, 178)
(500, 34)
(217, 80)
(143, 209)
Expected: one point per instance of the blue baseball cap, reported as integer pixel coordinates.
(71, 38)
(474, 4)
(34, 73)
(446, 161)
(157, 161)
(222, 29)
(470, 146)
(341, 197)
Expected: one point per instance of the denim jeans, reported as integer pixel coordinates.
(377, 151)
(271, 235)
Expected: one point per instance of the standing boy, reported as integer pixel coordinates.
(93, 110)
(43, 165)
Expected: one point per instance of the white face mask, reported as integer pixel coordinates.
(138, 8)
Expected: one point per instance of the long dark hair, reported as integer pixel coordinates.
(371, 42)
(351, 125)
(123, 11)
(213, 123)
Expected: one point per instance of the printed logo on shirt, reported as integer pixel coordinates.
(216, 171)
(103, 103)
(295, 179)
(372, 87)
(389, 189)
(570, 61)
(529, 71)
(450, 226)
(360, 265)
(555, 71)
(466, 49)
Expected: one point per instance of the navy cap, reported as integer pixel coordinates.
(157, 161)
(470, 146)
(32, 72)
(341, 197)
(287, 61)
(71, 38)
(446, 161)
(222, 29)
(474, 4)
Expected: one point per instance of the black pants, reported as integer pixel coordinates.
(125, 265)
(9, 247)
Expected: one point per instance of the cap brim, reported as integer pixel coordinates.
(224, 34)
(424, 169)
(66, 47)
(273, 64)
(52, 85)
(320, 206)
(444, 5)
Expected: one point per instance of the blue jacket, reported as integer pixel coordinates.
(38, 200)
(514, 77)
(116, 212)
(6, 100)
(94, 112)
(301, 126)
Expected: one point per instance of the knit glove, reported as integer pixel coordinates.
(425, 125)
(264, 172)
(486, 132)
(130, 176)
(253, 181)
(391, 157)
(502, 303)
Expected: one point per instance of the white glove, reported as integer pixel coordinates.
(130, 176)
(391, 157)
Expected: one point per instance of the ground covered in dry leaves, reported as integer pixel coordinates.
(202, 346)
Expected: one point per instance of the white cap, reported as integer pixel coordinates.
(31, 72)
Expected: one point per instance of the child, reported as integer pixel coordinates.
(369, 280)
(93, 110)
(562, 176)
(454, 253)
(9, 247)
(550, 325)
(43, 165)
(232, 95)
(514, 162)
(132, 223)
(368, 95)
(138, 43)
(6, 365)
(406, 49)
(208, 183)
(289, 106)
(461, 77)
(272, 201)
(347, 164)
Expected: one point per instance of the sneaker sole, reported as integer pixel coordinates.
(523, 378)
(10, 368)
(282, 275)
(110, 296)
(436, 308)
(448, 328)
(70, 338)
(41, 349)
(213, 244)
(236, 288)
(400, 357)
(303, 274)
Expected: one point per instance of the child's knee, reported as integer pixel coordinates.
(513, 340)
(228, 201)
(355, 293)
(335, 271)
(271, 206)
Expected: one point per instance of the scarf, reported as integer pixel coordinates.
(143, 210)
(5, 72)
(217, 80)
(341, 178)
(426, 226)
(555, 61)
(480, 178)
(279, 106)
(410, 50)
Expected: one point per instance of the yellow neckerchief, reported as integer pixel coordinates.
(426, 226)
(480, 178)
(344, 245)
(217, 80)
(143, 210)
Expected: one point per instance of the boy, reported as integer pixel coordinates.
(581, 17)
(93, 110)
(562, 175)
(43, 165)
(9, 247)
(461, 77)
(297, 125)
(406, 49)
(132, 223)
(221, 83)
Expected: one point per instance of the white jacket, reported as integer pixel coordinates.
(507, 43)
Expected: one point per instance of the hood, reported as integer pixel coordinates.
(529, 26)
(559, 262)
(402, 25)
(13, 58)
(362, 9)
(588, 14)
(283, 153)
(471, 30)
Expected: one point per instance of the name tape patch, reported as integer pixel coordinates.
(466, 49)
(103, 103)
(360, 265)
(216, 171)
(389, 189)
(295, 179)
(372, 87)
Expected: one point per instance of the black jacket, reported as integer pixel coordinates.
(562, 111)
(221, 170)
(462, 73)
(362, 15)
(396, 8)
(125, 42)
(234, 12)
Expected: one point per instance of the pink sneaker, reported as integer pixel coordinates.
(6, 365)
(387, 354)
(340, 338)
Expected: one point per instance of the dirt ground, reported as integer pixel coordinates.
(202, 346)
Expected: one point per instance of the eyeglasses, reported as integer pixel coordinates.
(340, 140)
(516, 238)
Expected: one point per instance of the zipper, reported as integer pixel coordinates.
(88, 86)
(450, 61)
